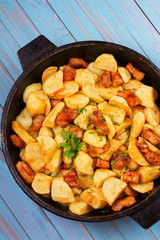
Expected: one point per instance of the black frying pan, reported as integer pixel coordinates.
(35, 57)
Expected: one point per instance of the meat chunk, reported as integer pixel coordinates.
(137, 74)
(151, 157)
(25, 171)
(118, 161)
(77, 63)
(75, 129)
(68, 73)
(149, 135)
(131, 176)
(99, 122)
(70, 177)
(66, 117)
(105, 79)
(37, 123)
(17, 141)
(124, 202)
(54, 102)
(92, 150)
(130, 97)
(102, 163)
(116, 79)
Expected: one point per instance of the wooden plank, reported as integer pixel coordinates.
(156, 230)
(46, 21)
(9, 225)
(128, 226)
(152, 10)
(8, 53)
(74, 18)
(104, 230)
(139, 27)
(29, 214)
(17, 22)
(108, 24)
(5, 84)
(1, 110)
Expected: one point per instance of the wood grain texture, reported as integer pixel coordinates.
(139, 27)
(10, 228)
(156, 230)
(151, 9)
(1, 110)
(46, 21)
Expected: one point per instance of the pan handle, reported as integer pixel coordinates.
(150, 213)
(34, 51)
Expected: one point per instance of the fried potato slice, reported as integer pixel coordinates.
(45, 131)
(122, 136)
(106, 62)
(151, 147)
(79, 207)
(59, 139)
(109, 92)
(125, 74)
(55, 162)
(135, 154)
(57, 129)
(129, 191)
(84, 163)
(147, 174)
(77, 100)
(146, 96)
(112, 189)
(69, 88)
(48, 72)
(84, 75)
(24, 119)
(138, 123)
(94, 197)
(132, 165)
(85, 181)
(82, 118)
(110, 125)
(91, 92)
(61, 192)
(124, 125)
(143, 187)
(152, 115)
(53, 83)
(116, 114)
(94, 70)
(22, 133)
(34, 87)
(42, 183)
(114, 145)
(51, 117)
(101, 175)
(121, 103)
(38, 103)
(157, 130)
(137, 109)
(132, 85)
(91, 137)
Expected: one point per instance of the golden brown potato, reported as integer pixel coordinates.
(120, 103)
(112, 189)
(110, 125)
(142, 187)
(91, 137)
(147, 174)
(84, 163)
(92, 92)
(125, 74)
(45, 131)
(114, 145)
(48, 72)
(55, 162)
(132, 85)
(124, 125)
(34, 87)
(94, 70)
(109, 92)
(146, 96)
(137, 125)
(79, 207)
(42, 183)
(129, 191)
(152, 115)
(53, 83)
(101, 175)
(24, 119)
(84, 75)
(106, 62)
(69, 88)
(77, 100)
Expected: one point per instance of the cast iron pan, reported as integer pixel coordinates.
(35, 57)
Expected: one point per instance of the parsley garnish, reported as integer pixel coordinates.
(83, 175)
(126, 168)
(149, 192)
(133, 169)
(52, 131)
(113, 105)
(92, 177)
(100, 138)
(111, 115)
(56, 174)
(118, 138)
(76, 195)
(90, 190)
(127, 130)
(105, 211)
(116, 123)
(81, 110)
(92, 102)
(103, 119)
(51, 96)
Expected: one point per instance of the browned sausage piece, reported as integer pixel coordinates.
(137, 74)
(17, 141)
(68, 73)
(99, 122)
(97, 150)
(70, 177)
(131, 176)
(118, 161)
(130, 97)
(54, 102)
(124, 202)
(102, 163)
(74, 129)
(66, 117)
(25, 171)
(37, 123)
(106, 79)
(116, 79)
(77, 63)
(149, 135)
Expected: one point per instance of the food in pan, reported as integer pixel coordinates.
(88, 135)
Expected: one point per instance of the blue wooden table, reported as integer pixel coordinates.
(132, 23)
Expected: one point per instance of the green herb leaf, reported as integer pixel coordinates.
(76, 195)
(133, 169)
(51, 96)
(126, 168)
(149, 192)
(116, 123)
(113, 105)
(92, 102)
(103, 119)
(83, 175)
(92, 177)
(81, 110)
(105, 211)
(91, 190)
